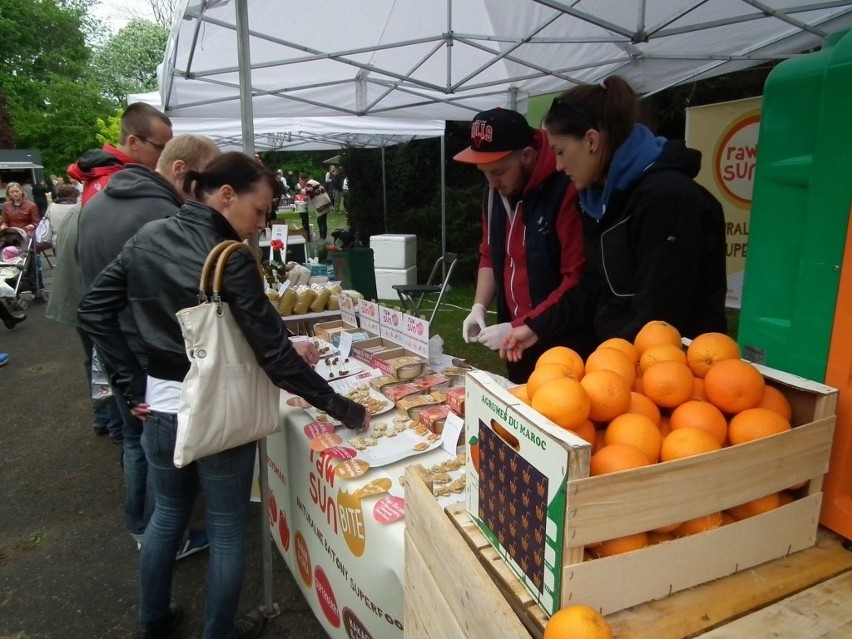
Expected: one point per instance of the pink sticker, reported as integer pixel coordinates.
(389, 509)
(340, 452)
(324, 441)
(326, 597)
(318, 428)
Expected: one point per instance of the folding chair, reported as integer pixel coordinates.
(407, 292)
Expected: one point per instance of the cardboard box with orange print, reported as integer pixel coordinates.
(521, 465)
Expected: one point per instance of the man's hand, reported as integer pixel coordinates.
(473, 323)
(516, 341)
(493, 336)
(140, 411)
(307, 351)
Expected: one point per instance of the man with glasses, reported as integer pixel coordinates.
(144, 132)
(532, 240)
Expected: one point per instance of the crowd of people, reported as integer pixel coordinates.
(591, 227)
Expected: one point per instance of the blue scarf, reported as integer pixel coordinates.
(629, 162)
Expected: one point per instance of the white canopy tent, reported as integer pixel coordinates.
(449, 59)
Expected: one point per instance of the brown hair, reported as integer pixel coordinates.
(66, 192)
(136, 120)
(191, 149)
(235, 169)
(609, 107)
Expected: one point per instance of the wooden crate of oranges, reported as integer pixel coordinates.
(701, 465)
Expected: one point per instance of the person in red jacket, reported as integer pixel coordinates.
(19, 213)
(143, 134)
(532, 240)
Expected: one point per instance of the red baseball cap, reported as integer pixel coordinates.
(495, 134)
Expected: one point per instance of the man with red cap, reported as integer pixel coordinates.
(532, 239)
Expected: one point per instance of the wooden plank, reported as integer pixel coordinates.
(687, 613)
(473, 600)
(425, 604)
(819, 612)
(619, 504)
(614, 583)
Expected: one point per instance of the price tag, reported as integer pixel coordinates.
(416, 335)
(453, 426)
(279, 232)
(345, 345)
(391, 324)
(369, 314)
(347, 310)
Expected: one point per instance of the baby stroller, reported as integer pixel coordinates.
(17, 267)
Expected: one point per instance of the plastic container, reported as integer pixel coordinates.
(387, 277)
(354, 268)
(394, 251)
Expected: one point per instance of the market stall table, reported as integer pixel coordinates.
(329, 528)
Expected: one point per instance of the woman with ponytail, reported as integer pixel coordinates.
(654, 238)
(156, 275)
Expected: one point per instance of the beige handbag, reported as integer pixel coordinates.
(227, 399)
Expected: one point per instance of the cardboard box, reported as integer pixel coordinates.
(325, 330)
(539, 508)
(365, 351)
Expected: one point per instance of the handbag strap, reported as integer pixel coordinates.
(209, 264)
(220, 266)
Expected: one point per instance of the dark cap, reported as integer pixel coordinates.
(495, 134)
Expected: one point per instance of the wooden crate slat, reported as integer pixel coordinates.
(619, 504)
(427, 612)
(614, 583)
(473, 599)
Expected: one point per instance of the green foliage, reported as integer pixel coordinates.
(127, 63)
(109, 128)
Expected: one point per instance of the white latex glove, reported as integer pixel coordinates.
(473, 323)
(493, 336)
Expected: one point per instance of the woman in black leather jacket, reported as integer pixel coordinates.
(156, 275)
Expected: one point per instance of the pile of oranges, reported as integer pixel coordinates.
(651, 401)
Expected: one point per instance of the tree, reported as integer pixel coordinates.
(164, 12)
(127, 63)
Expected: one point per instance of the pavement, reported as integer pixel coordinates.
(67, 568)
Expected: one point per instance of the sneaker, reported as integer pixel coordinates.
(99, 430)
(249, 626)
(195, 541)
(163, 627)
(13, 321)
(4, 358)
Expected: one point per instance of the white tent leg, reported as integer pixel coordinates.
(443, 203)
(384, 189)
(269, 608)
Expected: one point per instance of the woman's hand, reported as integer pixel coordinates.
(140, 411)
(307, 351)
(521, 338)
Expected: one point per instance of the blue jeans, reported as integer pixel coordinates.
(139, 492)
(226, 480)
(105, 413)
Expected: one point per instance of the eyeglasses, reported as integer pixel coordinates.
(577, 112)
(156, 145)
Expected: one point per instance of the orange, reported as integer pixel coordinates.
(657, 537)
(578, 622)
(755, 507)
(733, 385)
(609, 394)
(654, 333)
(521, 393)
(567, 357)
(709, 348)
(702, 415)
(698, 390)
(686, 442)
(637, 384)
(774, 399)
(755, 423)
(563, 401)
(611, 359)
(586, 431)
(699, 525)
(508, 437)
(661, 353)
(543, 374)
(613, 458)
(636, 430)
(727, 518)
(665, 425)
(785, 497)
(668, 384)
(666, 529)
(599, 441)
(624, 346)
(619, 545)
(641, 405)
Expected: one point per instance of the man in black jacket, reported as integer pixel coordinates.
(135, 196)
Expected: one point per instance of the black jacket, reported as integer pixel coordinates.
(658, 253)
(157, 275)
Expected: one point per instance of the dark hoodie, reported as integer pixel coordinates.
(134, 196)
(657, 253)
(95, 168)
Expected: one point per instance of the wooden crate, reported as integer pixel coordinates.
(610, 506)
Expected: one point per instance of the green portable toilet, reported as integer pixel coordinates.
(800, 211)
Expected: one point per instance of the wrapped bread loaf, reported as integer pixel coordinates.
(286, 302)
(321, 301)
(304, 297)
(333, 300)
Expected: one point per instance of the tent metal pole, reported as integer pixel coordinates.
(384, 189)
(444, 202)
(269, 608)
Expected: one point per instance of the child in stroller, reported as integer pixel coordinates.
(17, 267)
